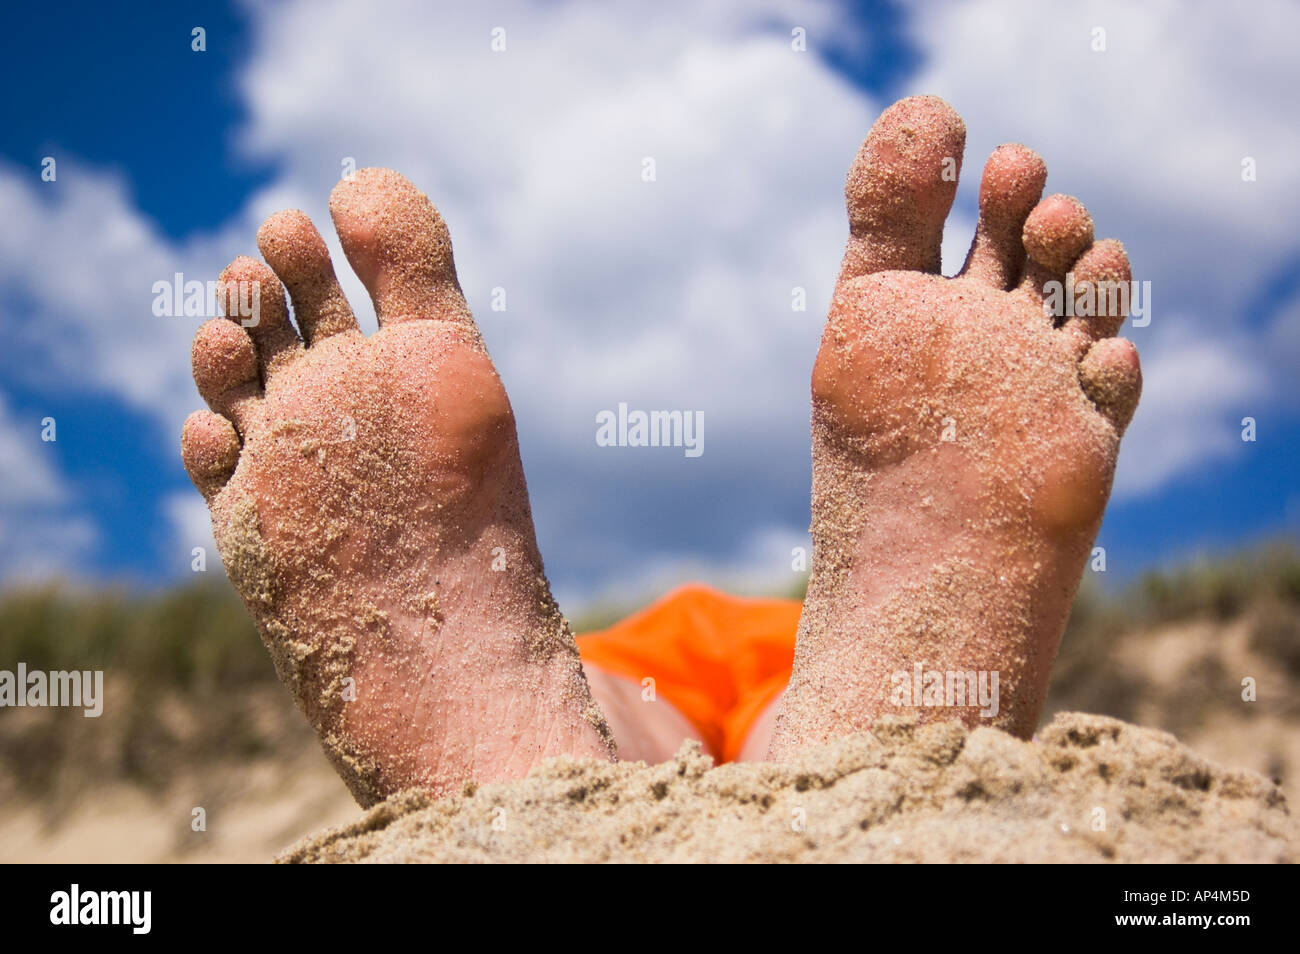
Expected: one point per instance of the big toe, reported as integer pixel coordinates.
(901, 186)
(398, 245)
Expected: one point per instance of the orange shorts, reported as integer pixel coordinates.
(719, 659)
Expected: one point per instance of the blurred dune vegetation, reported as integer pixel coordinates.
(189, 687)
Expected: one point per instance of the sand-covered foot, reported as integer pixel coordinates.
(964, 442)
(368, 500)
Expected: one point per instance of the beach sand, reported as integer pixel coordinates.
(254, 764)
(1087, 789)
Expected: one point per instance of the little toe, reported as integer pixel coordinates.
(1111, 376)
(901, 186)
(399, 247)
(224, 362)
(1013, 183)
(210, 450)
(252, 295)
(297, 254)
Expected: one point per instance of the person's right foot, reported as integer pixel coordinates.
(368, 500)
(963, 441)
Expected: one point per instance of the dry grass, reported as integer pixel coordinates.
(1261, 586)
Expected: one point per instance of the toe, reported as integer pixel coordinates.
(297, 254)
(1111, 376)
(252, 296)
(399, 247)
(225, 369)
(901, 186)
(210, 450)
(1056, 233)
(1101, 287)
(1013, 183)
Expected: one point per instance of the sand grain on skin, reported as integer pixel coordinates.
(955, 497)
(378, 524)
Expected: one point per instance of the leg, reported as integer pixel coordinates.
(646, 732)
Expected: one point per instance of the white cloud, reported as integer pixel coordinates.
(676, 293)
(1195, 392)
(80, 250)
(44, 531)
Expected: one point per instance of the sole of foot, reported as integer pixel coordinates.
(964, 442)
(369, 504)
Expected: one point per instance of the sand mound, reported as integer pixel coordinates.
(1089, 789)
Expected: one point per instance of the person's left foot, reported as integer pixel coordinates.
(368, 500)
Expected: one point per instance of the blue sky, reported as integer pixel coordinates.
(674, 296)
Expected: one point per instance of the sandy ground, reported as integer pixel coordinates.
(1090, 789)
(251, 812)
(936, 794)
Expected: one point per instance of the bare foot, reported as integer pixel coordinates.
(369, 503)
(963, 442)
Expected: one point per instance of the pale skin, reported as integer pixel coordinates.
(369, 500)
